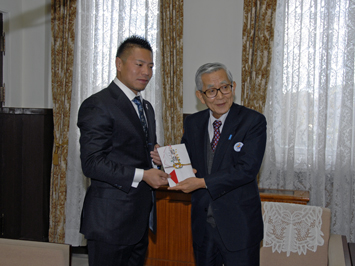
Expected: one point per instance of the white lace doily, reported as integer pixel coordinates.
(292, 227)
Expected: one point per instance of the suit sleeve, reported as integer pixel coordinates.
(96, 144)
(239, 169)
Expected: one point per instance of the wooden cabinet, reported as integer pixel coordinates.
(172, 245)
(26, 141)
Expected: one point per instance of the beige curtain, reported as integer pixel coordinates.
(63, 14)
(171, 26)
(258, 37)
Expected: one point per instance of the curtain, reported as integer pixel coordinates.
(171, 20)
(63, 14)
(101, 26)
(258, 35)
(310, 107)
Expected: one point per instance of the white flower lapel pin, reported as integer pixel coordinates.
(238, 146)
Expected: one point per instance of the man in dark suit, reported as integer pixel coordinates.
(227, 224)
(118, 145)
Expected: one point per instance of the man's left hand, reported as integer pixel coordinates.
(190, 184)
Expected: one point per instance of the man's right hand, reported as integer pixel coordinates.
(155, 178)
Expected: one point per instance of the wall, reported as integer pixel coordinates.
(212, 32)
(27, 58)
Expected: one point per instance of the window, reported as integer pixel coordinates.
(311, 104)
(315, 71)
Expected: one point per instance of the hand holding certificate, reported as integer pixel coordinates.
(176, 163)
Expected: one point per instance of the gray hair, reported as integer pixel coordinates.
(210, 68)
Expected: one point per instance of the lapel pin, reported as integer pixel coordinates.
(238, 146)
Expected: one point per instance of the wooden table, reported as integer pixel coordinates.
(283, 195)
(172, 244)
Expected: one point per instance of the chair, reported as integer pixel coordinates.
(32, 253)
(297, 235)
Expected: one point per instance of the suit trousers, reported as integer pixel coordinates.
(101, 253)
(212, 252)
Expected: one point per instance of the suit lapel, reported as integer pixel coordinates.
(200, 137)
(126, 108)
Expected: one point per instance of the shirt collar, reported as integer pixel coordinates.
(129, 93)
(222, 118)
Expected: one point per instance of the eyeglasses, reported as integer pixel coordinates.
(211, 93)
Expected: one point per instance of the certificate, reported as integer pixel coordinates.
(176, 163)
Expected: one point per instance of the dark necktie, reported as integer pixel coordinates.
(152, 214)
(141, 116)
(216, 125)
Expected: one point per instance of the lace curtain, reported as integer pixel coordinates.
(310, 106)
(100, 28)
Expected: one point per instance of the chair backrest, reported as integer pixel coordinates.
(293, 227)
(32, 253)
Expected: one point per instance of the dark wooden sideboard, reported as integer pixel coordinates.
(172, 244)
(26, 143)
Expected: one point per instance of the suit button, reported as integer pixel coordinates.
(205, 209)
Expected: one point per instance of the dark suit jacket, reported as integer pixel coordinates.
(232, 187)
(112, 145)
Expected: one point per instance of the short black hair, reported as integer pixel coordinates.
(131, 42)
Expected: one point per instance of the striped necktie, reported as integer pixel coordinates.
(141, 116)
(216, 125)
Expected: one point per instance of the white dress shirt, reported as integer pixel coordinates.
(138, 174)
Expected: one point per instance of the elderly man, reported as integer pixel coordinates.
(226, 145)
